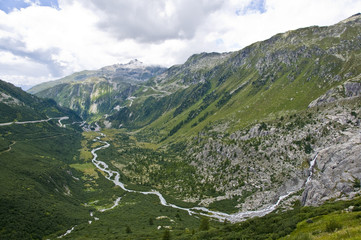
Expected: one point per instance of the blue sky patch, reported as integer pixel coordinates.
(254, 6)
(219, 41)
(8, 6)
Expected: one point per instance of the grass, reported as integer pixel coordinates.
(34, 180)
(85, 154)
(226, 205)
(134, 211)
(337, 225)
(245, 108)
(86, 168)
(300, 223)
(147, 145)
(46, 161)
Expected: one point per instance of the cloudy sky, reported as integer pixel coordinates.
(42, 40)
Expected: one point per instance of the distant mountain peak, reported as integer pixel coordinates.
(134, 61)
(132, 64)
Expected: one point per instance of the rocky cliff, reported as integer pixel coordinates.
(271, 159)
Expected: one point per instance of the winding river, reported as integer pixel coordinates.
(114, 176)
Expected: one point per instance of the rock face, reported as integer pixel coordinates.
(349, 89)
(266, 161)
(352, 89)
(337, 172)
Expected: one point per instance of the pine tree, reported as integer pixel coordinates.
(204, 226)
(166, 235)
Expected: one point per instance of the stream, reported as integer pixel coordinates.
(114, 176)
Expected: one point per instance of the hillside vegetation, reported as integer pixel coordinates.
(91, 94)
(248, 123)
(276, 124)
(260, 82)
(17, 105)
(38, 192)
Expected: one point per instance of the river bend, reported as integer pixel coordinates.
(114, 176)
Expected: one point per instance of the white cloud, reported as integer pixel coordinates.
(42, 43)
(152, 20)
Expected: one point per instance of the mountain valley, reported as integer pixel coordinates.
(273, 126)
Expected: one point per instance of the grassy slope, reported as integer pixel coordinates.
(329, 221)
(29, 107)
(35, 179)
(90, 98)
(38, 193)
(258, 100)
(142, 214)
(74, 77)
(280, 76)
(333, 226)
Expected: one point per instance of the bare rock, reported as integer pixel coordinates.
(338, 166)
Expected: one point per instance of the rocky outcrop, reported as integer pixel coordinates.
(259, 164)
(352, 89)
(349, 89)
(9, 100)
(337, 171)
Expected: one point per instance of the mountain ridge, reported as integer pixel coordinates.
(253, 90)
(107, 71)
(237, 131)
(95, 93)
(277, 62)
(17, 105)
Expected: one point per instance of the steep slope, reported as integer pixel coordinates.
(17, 105)
(78, 76)
(276, 124)
(240, 131)
(250, 122)
(38, 193)
(267, 79)
(95, 93)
